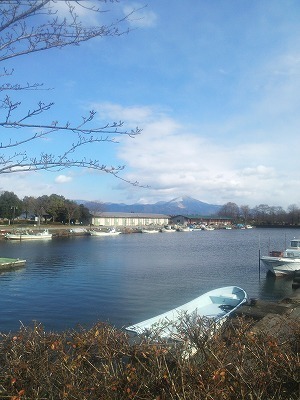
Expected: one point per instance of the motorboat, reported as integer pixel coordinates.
(110, 232)
(29, 235)
(284, 262)
(209, 228)
(184, 229)
(167, 230)
(214, 306)
(150, 231)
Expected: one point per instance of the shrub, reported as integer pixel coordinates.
(104, 363)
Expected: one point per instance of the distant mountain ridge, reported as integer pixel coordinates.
(181, 205)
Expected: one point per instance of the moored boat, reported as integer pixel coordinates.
(111, 232)
(44, 235)
(167, 230)
(284, 262)
(6, 262)
(184, 229)
(209, 228)
(215, 306)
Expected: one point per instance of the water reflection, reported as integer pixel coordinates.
(276, 288)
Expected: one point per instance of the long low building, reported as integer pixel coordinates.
(198, 219)
(129, 219)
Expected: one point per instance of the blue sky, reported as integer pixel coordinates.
(215, 86)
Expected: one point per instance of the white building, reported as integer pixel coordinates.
(119, 219)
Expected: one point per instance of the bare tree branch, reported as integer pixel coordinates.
(30, 26)
(21, 35)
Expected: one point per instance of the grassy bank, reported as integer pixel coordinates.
(102, 363)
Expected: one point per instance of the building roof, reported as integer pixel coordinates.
(113, 214)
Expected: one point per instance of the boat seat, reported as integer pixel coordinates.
(210, 311)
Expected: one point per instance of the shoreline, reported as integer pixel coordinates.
(272, 318)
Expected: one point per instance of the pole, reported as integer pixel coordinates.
(259, 257)
(259, 264)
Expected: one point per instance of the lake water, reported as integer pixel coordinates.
(128, 278)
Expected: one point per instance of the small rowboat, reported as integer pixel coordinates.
(214, 306)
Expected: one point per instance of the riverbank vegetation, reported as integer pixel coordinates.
(53, 208)
(102, 363)
(56, 208)
(262, 215)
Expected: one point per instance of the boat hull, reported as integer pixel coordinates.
(281, 265)
(99, 233)
(11, 263)
(215, 305)
(24, 236)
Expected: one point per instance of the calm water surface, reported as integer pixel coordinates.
(128, 278)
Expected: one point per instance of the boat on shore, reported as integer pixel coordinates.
(285, 262)
(27, 235)
(6, 262)
(111, 232)
(214, 306)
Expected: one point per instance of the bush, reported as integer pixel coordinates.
(104, 363)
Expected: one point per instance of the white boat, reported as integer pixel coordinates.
(184, 229)
(167, 230)
(78, 230)
(111, 232)
(11, 262)
(286, 262)
(149, 231)
(214, 306)
(209, 228)
(44, 235)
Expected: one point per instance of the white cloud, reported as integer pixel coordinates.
(117, 112)
(174, 160)
(63, 179)
(26, 184)
(259, 171)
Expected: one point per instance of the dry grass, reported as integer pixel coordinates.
(102, 363)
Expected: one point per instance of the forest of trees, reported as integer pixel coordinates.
(53, 208)
(262, 214)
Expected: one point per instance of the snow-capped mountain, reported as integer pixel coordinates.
(181, 205)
